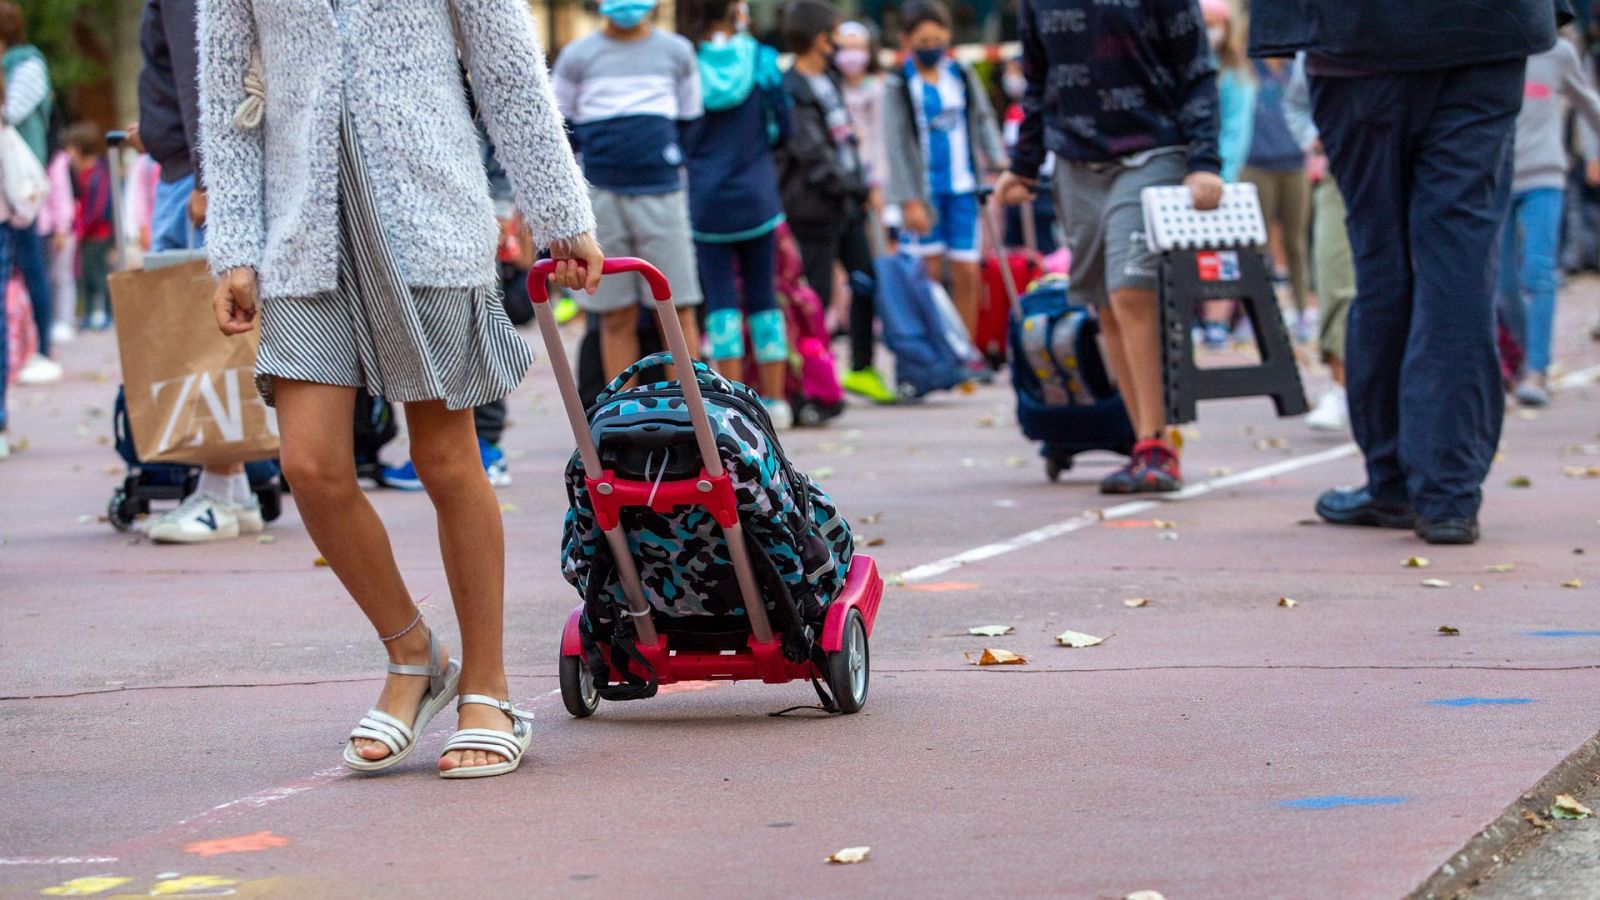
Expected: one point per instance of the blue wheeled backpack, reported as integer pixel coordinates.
(1065, 399)
(914, 330)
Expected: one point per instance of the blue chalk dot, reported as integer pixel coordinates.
(1561, 633)
(1332, 801)
(1480, 701)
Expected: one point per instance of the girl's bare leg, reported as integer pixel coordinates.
(318, 459)
(444, 448)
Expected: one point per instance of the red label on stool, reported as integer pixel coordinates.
(1218, 265)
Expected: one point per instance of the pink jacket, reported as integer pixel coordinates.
(59, 207)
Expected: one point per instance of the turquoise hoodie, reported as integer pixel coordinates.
(730, 69)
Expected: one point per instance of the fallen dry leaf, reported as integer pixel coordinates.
(1449, 630)
(1435, 583)
(1136, 602)
(895, 580)
(1519, 481)
(1164, 524)
(822, 472)
(993, 657)
(1219, 471)
(1144, 895)
(1581, 471)
(508, 508)
(1534, 819)
(872, 542)
(1501, 567)
(320, 561)
(1288, 602)
(871, 518)
(849, 855)
(986, 421)
(967, 387)
(1016, 462)
(1417, 562)
(990, 630)
(1272, 443)
(1574, 583)
(1478, 586)
(1078, 640)
(1167, 536)
(266, 539)
(1568, 807)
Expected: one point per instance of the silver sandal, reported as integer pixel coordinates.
(399, 737)
(511, 746)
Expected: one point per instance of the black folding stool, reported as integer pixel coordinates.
(1217, 255)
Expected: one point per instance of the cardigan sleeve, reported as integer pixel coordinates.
(234, 169)
(514, 94)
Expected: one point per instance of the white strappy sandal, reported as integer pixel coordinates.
(511, 746)
(399, 737)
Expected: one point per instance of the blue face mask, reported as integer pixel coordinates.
(626, 14)
(928, 57)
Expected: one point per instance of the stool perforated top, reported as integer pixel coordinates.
(1172, 223)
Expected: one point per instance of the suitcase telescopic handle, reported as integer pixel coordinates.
(539, 287)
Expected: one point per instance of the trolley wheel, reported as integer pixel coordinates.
(577, 688)
(121, 511)
(1052, 468)
(849, 669)
(907, 392)
(271, 497)
(808, 415)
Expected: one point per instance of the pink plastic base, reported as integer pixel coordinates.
(863, 591)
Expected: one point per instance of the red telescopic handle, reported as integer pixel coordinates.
(539, 290)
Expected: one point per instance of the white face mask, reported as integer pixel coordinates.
(1216, 34)
(1015, 85)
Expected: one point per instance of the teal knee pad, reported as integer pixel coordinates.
(767, 333)
(725, 329)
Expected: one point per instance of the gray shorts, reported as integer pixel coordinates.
(653, 227)
(1098, 204)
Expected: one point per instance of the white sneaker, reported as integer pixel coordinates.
(99, 320)
(781, 413)
(5, 446)
(249, 516)
(40, 370)
(1332, 412)
(199, 519)
(62, 332)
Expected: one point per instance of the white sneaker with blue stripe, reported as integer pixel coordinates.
(200, 518)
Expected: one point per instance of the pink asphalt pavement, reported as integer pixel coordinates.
(172, 717)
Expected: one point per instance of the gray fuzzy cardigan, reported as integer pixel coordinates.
(273, 190)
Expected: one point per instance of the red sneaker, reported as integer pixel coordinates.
(1155, 468)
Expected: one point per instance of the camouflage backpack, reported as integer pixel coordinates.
(800, 544)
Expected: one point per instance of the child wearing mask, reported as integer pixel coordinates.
(627, 90)
(938, 122)
(824, 185)
(733, 195)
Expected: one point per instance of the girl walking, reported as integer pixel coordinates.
(349, 195)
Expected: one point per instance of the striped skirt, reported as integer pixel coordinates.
(406, 344)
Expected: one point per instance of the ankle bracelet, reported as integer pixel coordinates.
(417, 620)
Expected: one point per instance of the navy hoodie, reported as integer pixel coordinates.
(733, 183)
(1108, 80)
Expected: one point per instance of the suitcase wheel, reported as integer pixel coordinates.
(122, 510)
(271, 497)
(809, 415)
(849, 669)
(578, 693)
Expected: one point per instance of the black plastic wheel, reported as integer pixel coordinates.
(1052, 468)
(577, 688)
(120, 511)
(271, 497)
(850, 668)
(808, 415)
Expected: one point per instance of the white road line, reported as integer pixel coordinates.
(1124, 510)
